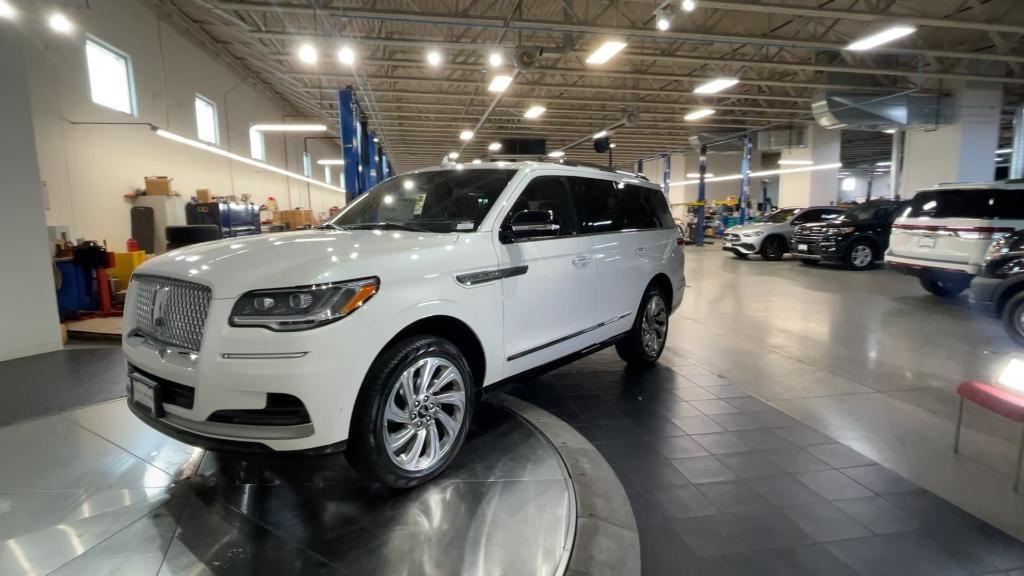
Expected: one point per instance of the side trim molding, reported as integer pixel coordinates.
(474, 278)
(527, 352)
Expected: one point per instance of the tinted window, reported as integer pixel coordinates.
(438, 200)
(606, 206)
(656, 213)
(968, 204)
(869, 212)
(780, 216)
(549, 193)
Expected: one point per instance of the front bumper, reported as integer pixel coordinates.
(825, 251)
(741, 245)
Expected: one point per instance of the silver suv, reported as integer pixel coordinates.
(770, 235)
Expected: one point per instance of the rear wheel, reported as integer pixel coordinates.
(413, 412)
(947, 288)
(643, 344)
(773, 248)
(860, 255)
(1013, 318)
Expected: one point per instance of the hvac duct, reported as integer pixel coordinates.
(869, 111)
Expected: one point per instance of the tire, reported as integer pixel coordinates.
(773, 248)
(861, 255)
(383, 411)
(1013, 318)
(810, 261)
(652, 319)
(944, 288)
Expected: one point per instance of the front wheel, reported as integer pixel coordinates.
(1013, 318)
(644, 342)
(773, 248)
(947, 288)
(860, 256)
(412, 413)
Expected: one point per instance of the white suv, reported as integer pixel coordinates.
(375, 332)
(770, 236)
(941, 238)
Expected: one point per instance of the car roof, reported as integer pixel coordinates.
(568, 166)
(999, 184)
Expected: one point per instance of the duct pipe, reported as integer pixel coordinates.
(745, 179)
(896, 168)
(1017, 156)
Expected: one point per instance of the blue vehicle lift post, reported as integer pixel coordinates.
(349, 130)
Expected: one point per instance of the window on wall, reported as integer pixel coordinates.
(257, 145)
(206, 120)
(110, 76)
(327, 174)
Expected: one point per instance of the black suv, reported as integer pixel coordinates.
(999, 287)
(857, 239)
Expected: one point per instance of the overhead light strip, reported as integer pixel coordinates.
(882, 37)
(232, 156)
(759, 174)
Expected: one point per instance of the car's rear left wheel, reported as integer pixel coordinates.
(1013, 318)
(413, 412)
(947, 288)
(643, 344)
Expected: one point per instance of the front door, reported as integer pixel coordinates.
(548, 308)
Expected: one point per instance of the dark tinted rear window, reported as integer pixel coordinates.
(869, 212)
(606, 206)
(985, 204)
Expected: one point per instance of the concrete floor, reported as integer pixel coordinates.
(868, 358)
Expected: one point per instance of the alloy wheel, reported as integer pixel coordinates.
(861, 255)
(654, 325)
(425, 411)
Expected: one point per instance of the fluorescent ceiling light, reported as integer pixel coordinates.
(346, 55)
(715, 86)
(890, 131)
(7, 11)
(499, 83)
(494, 146)
(696, 175)
(556, 154)
(232, 156)
(307, 53)
(886, 163)
(477, 161)
(375, 139)
(612, 145)
(761, 173)
(689, 5)
(796, 162)
(663, 19)
(466, 135)
(288, 128)
(495, 59)
(534, 112)
(600, 134)
(605, 52)
(60, 23)
(882, 37)
(331, 162)
(453, 155)
(434, 58)
(698, 114)
(1004, 151)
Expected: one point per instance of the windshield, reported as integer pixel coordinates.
(780, 216)
(865, 212)
(437, 200)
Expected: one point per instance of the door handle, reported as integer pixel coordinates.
(580, 260)
(641, 250)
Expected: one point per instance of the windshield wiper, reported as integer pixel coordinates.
(387, 226)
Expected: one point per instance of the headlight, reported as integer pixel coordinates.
(839, 231)
(288, 309)
(753, 234)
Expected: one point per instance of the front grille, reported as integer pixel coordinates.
(170, 392)
(171, 312)
(809, 234)
(731, 237)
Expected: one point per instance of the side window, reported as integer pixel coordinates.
(805, 217)
(828, 215)
(599, 205)
(657, 210)
(549, 193)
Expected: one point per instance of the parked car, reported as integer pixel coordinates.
(943, 236)
(376, 332)
(770, 236)
(857, 239)
(998, 289)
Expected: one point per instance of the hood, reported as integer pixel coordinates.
(234, 266)
(750, 227)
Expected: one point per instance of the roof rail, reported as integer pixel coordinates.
(600, 167)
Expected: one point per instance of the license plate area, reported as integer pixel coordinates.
(801, 247)
(926, 242)
(146, 395)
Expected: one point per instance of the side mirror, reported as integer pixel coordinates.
(533, 224)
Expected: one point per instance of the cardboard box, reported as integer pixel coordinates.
(295, 219)
(159, 186)
(204, 196)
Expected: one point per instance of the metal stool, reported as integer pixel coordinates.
(994, 399)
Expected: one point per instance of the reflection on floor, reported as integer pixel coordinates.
(723, 483)
(94, 491)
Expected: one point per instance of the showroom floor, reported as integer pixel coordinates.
(800, 423)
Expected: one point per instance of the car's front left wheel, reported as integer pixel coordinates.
(413, 412)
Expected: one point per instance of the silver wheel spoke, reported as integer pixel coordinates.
(433, 444)
(406, 384)
(451, 398)
(395, 414)
(447, 376)
(396, 441)
(451, 427)
(425, 375)
(417, 448)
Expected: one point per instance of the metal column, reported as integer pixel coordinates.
(896, 168)
(372, 170)
(698, 236)
(666, 174)
(349, 142)
(744, 178)
(364, 157)
(1017, 156)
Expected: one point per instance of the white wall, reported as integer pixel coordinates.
(28, 310)
(87, 170)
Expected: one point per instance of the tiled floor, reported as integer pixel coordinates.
(723, 483)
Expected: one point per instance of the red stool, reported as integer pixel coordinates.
(998, 400)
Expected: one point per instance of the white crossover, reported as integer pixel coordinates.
(770, 236)
(376, 332)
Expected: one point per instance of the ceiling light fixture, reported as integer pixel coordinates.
(696, 175)
(556, 154)
(7, 11)
(500, 83)
(288, 128)
(612, 145)
(307, 53)
(1004, 151)
(663, 19)
(495, 59)
(600, 134)
(883, 163)
(796, 162)
(534, 112)
(494, 146)
(477, 161)
(699, 113)
(688, 5)
(346, 55)
(881, 37)
(605, 52)
(716, 85)
(434, 58)
(59, 23)
(466, 135)
(331, 162)
(453, 155)
(890, 131)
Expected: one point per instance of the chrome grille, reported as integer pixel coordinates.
(809, 233)
(172, 312)
(731, 237)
